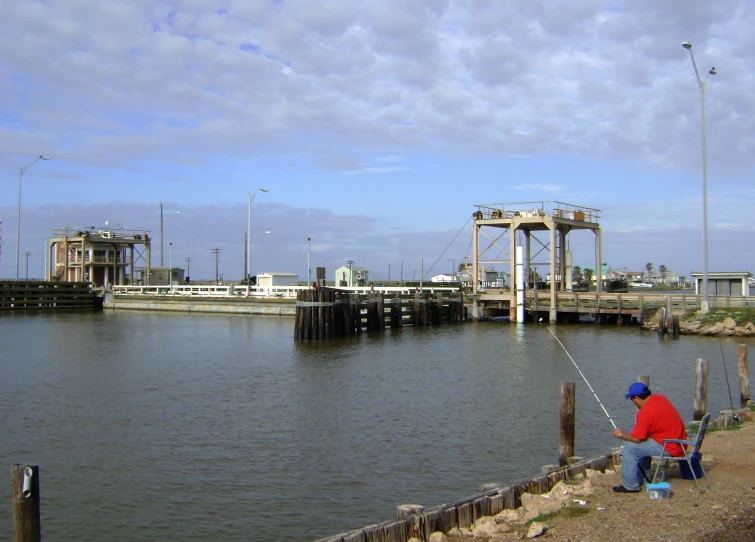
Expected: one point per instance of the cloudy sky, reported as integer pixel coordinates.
(377, 126)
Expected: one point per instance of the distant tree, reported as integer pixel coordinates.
(587, 273)
(663, 270)
(463, 266)
(649, 268)
(577, 270)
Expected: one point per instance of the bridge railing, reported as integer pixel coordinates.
(632, 300)
(266, 292)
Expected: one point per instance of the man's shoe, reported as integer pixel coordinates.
(622, 489)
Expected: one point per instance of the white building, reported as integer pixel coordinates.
(277, 279)
(351, 276)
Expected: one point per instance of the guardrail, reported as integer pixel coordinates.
(266, 292)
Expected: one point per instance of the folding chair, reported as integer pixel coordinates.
(691, 451)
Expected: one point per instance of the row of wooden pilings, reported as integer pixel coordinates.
(325, 313)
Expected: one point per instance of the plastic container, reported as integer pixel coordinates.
(659, 491)
(684, 470)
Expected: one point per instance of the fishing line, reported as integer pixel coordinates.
(582, 374)
(723, 361)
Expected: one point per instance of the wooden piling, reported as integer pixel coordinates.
(25, 508)
(645, 379)
(396, 319)
(566, 444)
(701, 389)
(744, 378)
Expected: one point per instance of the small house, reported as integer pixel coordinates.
(277, 279)
(351, 276)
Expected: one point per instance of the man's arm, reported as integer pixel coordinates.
(620, 433)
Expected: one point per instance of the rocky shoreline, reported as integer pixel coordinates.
(726, 328)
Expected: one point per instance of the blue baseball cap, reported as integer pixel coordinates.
(638, 388)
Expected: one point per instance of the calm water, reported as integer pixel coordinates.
(150, 426)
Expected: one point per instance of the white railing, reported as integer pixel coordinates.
(267, 292)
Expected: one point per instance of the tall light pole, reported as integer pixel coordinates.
(170, 266)
(453, 269)
(188, 268)
(702, 84)
(21, 172)
(161, 231)
(27, 254)
(309, 267)
(248, 271)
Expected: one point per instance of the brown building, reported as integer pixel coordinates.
(99, 256)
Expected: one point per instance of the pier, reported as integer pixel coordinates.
(35, 295)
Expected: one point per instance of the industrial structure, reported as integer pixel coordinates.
(100, 257)
(517, 234)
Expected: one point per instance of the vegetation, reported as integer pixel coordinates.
(741, 315)
(565, 512)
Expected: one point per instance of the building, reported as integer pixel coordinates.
(100, 257)
(159, 276)
(443, 278)
(351, 276)
(277, 279)
(735, 283)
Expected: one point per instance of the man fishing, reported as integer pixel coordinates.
(656, 420)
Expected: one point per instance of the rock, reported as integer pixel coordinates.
(726, 332)
(459, 533)
(750, 326)
(508, 516)
(729, 323)
(437, 537)
(485, 527)
(536, 529)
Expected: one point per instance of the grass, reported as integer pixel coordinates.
(566, 512)
(741, 315)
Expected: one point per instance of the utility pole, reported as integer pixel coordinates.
(389, 271)
(188, 269)
(216, 251)
(27, 254)
(351, 273)
(453, 269)
(309, 266)
(246, 258)
(402, 272)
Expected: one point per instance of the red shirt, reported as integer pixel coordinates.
(658, 420)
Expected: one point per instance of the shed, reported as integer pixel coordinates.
(734, 283)
(277, 279)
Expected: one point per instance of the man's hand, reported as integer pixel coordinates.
(618, 433)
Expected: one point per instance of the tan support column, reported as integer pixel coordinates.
(598, 260)
(553, 271)
(512, 274)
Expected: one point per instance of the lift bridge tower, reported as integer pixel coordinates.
(543, 229)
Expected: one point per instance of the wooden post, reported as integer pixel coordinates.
(744, 378)
(25, 509)
(566, 445)
(701, 389)
(645, 379)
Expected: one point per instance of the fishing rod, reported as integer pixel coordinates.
(723, 361)
(582, 374)
(642, 470)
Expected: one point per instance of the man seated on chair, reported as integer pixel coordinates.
(656, 420)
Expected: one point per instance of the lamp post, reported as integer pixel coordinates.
(248, 270)
(309, 267)
(27, 254)
(702, 84)
(188, 268)
(21, 172)
(161, 231)
(170, 266)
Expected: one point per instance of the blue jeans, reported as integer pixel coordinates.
(634, 456)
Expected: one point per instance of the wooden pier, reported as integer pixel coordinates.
(621, 307)
(32, 295)
(324, 313)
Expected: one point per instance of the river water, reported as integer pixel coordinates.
(155, 426)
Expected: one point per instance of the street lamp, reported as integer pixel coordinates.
(27, 254)
(161, 230)
(309, 267)
(21, 172)
(248, 270)
(170, 266)
(702, 84)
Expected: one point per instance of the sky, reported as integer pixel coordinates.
(376, 126)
